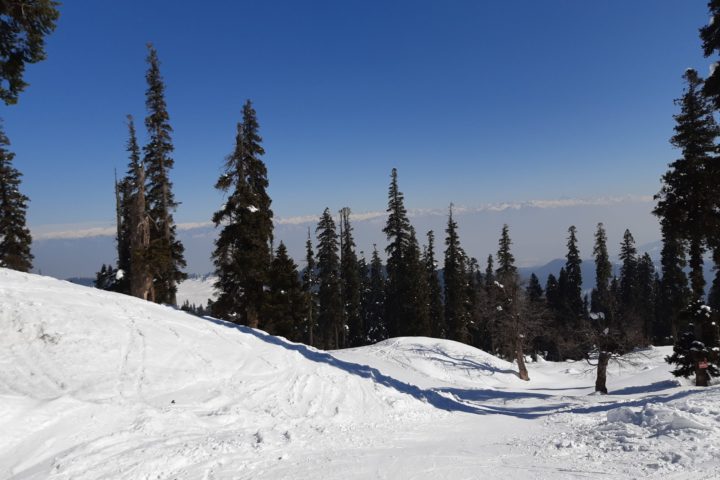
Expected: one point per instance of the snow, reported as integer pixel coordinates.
(197, 290)
(100, 385)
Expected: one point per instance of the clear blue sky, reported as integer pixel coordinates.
(473, 101)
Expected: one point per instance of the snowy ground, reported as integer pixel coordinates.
(197, 290)
(99, 385)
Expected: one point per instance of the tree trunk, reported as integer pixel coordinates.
(520, 358)
(701, 376)
(600, 381)
(252, 318)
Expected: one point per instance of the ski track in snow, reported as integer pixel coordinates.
(96, 385)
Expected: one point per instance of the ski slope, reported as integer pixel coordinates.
(100, 385)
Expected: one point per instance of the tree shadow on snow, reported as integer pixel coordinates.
(453, 399)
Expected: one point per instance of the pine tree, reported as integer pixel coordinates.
(710, 36)
(506, 271)
(123, 208)
(417, 321)
(166, 253)
(628, 274)
(243, 252)
(310, 287)
(686, 200)
(573, 289)
(138, 222)
(284, 309)
(601, 301)
(646, 296)
(435, 302)
(107, 278)
(398, 297)
(330, 315)
(15, 237)
(350, 282)
(674, 293)
(534, 290)
(456, 314)
(696, 350)
(513, 329)
(24, 26)
(376, 328)
(489, 273)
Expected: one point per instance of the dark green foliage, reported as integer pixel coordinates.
(534, 290)
(197, 310)
(489, 273)
(107, 278)
(135, 224)
(284, 311)
(417, 321)
(331, 330)
(687, 200)
(674, 294)
(646, 296)
(628, 274)
(456, 299)
(573, 287)
(123, 207)
(350, 282)
(242, 252)
(376, 329)
(601, 300)
(15, 237)
(310, 288)
(710, 35)
(24, 25)
(166, 253)
(697, 343)
(714, 294)
(506, 271)
(438, 327)
(552, 291)
(406, 310)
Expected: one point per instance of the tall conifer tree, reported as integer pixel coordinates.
(397, 229)
(628, 274)
(284, 310)
(350, 282)
(166, 256)
(435, 302)
(243, 253)
(686, 200)
(600, 297)
(573, 289)
(310, 287)
(138, 222)
(376, 328)
(456, 314)
(15, 237)
(330, 316)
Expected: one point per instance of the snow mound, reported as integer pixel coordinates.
(656, 418)
(432, 363)
(87, 376)
(677, 433)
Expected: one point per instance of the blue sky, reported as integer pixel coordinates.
(473, 101)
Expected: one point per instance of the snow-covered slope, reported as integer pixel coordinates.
(100, 385)
(197, 290)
